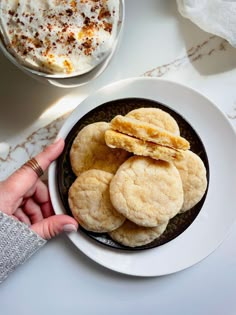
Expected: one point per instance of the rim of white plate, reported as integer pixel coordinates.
(211, 226)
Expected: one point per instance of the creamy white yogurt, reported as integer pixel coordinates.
(59, 36)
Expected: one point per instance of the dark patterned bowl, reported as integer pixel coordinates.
(106, 112)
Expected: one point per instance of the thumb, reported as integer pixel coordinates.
(54, 225)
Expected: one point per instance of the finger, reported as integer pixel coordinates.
(21, 216)
(24, 178)
(51, 153)
(47, 209)
(41, 193)
(42, 197)
(50, 227)
(33, 210)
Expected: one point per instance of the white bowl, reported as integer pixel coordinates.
(73, 80)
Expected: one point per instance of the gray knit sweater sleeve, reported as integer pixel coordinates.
(17, 243)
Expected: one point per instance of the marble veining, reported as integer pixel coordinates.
(15, 156)
(209, 47)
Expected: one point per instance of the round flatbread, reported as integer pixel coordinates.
(157, 117)
(146, 191)
(90, 204)
(89, 151)
(132, 235)
(193, 174)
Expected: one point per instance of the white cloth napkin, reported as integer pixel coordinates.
(213, 16)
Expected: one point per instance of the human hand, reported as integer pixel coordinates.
(24, 196)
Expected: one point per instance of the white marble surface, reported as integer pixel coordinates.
(157, 42)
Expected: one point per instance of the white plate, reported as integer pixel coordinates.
(211, 226)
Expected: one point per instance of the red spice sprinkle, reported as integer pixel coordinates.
(86, 20)
(65, 27)
(107, 26)
(11, 12)
(103, 14)
(71, 38)
(69, 12)
(49, 26)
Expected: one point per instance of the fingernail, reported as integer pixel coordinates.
(56, 140)
(69, 228)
